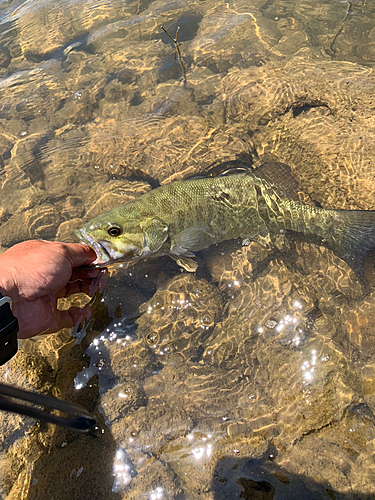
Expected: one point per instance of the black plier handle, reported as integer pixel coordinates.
(79, 418)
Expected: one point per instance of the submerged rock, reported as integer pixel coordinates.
(179, 316)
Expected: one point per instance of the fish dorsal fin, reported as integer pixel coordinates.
(276, 173)
(280, 175)
(239, 166)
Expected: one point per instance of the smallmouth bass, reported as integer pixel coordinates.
(186, 216)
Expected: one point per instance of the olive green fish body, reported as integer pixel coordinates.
(186, 216)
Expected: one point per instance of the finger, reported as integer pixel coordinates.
(89, 287)
(70, 318)
(69, 289)
(80, 254)
(82, 274)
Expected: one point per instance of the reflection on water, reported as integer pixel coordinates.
(254, 377)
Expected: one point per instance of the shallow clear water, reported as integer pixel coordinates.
(253, 377)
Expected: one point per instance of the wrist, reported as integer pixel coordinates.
(3, 286)
(7, 286)
(8, 322)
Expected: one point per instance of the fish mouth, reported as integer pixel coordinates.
(103, 253)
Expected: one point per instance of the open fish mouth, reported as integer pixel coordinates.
(103, 254)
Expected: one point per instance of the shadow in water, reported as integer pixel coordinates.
(262, 479)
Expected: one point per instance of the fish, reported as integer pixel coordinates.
(185, 216)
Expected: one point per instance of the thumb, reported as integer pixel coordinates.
(80, 254)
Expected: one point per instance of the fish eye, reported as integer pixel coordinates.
(114, 230)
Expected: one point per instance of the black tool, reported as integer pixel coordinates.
(79, 419)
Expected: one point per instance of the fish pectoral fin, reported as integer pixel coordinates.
(155, 232)
(186, 239)
(186, 263)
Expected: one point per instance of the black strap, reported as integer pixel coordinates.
(8, 332)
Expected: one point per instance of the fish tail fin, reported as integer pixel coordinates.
(355, 237)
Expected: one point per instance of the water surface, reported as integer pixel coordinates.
(253, 377)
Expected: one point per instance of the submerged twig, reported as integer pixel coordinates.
(177, 51)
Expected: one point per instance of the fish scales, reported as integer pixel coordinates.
(186, 216)
(228, 207)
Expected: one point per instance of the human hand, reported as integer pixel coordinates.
(36, 273)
